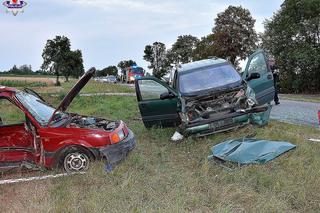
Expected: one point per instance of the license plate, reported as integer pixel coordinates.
(219, 124)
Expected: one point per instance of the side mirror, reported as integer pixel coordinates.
(167, 95)
(253, 75)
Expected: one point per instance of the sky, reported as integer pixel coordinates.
(108, 31)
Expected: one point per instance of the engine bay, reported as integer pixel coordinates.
(215, 104)
(79, 121)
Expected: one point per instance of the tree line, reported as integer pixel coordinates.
(233, 38)
(59, 59)
(23, 70)
(291, 37)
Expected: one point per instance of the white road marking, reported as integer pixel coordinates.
(10, 181)
(314, 140)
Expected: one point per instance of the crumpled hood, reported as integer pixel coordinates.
(248, 150)
(63, 106)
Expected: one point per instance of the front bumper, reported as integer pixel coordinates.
(223, 123)
(117, 152)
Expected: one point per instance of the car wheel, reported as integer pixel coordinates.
(76, 161)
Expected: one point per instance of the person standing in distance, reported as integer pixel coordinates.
(275, 73)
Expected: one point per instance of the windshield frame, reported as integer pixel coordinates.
(204, 91)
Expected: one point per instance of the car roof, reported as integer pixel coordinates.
(201, 63)
(7, 89)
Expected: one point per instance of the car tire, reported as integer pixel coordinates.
(76, 160)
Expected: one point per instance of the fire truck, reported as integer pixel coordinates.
(132, 73)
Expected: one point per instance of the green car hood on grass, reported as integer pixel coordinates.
(246, 151)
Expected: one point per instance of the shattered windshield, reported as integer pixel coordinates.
(208, 78)
(40, 110)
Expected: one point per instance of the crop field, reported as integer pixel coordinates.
(162, 176)
(14, 81)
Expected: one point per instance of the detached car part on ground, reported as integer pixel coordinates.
(248, 150)
(208, 96)
(52, 137)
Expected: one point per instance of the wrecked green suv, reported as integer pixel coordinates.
(208, 96)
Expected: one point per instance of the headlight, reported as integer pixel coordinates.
(251, 102)
(121, 134)
(117, 137)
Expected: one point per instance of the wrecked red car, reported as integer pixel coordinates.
(51, 137)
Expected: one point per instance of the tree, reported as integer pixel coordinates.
(182, 50)
(205, 48)
(74, 65)
(14, 70)
(234, 34)
(55, 56)
(25, 69)
(292, 37)
(59, 59)
(122, 65)
(110, 70)
(156, 54)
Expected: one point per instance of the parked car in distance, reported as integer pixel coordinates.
(49, 137)
(109, 79)
(208, 96)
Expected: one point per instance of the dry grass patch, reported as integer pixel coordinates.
(26, 81)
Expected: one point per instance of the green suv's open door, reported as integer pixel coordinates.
(263, 86)
(157, 102)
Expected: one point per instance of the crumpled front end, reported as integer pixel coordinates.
(221, 111)
(117, 152)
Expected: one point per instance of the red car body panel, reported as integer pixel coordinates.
(43, 145)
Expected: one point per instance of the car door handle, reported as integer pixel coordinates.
(269, 76)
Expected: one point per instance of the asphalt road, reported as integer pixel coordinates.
(296, 112)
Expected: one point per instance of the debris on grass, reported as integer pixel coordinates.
(247, 151)
(177, 136)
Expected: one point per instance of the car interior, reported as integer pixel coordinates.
(13, 126)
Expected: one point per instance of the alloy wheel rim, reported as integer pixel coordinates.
(76, 162)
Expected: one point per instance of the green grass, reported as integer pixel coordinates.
(163, 176)
(14, 83)
(12, 115)
(91, 87)
(301, 97)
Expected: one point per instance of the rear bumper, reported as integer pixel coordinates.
(117, 152)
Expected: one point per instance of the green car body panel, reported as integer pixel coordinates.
(263, 86)
(155, 111)
(164, 105)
